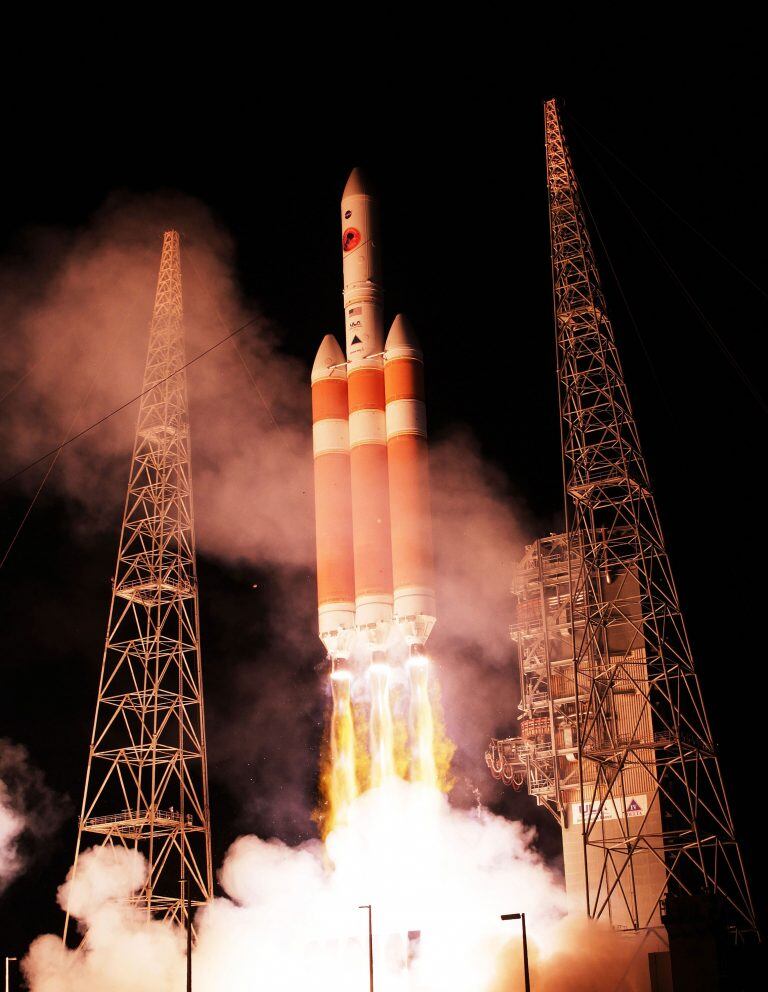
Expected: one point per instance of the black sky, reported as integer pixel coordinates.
(458, 162)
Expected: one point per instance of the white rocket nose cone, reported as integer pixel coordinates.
(401, 335)
(356, 184)
(328, 354)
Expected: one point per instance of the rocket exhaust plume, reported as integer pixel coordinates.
(343, 787)
(422, 724)
(382, 727)
(287, 919)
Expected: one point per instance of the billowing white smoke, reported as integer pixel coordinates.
(30, 812)
(75, 341)
(75, 346)
(290, 919)
(11, 826)
(123, 947)
(75, 314)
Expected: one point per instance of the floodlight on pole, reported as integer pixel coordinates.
(8, 973)
(370, 942)
(521, 917)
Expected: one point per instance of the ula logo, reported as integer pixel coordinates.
(350, 239)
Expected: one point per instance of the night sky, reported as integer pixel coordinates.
(460, 174)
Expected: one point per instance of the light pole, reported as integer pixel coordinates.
(370, 940)
(8, 973)
(521, 916)
(186, 899)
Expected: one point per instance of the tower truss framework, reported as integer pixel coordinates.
(615, 740)
(146, 783)
(614, 536)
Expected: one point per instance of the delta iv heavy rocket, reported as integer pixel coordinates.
(373, 519)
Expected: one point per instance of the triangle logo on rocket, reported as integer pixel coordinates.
(355, 340)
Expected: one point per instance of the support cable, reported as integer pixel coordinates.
(683, 220)
(53, 461)
(15, 386)
(189, 258)
(756, 395)
(632, 320)
(130, 402)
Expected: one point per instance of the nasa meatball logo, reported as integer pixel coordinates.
(350, 239)
(347, 214)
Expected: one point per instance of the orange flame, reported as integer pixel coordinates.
(342, 778)
(382, 727)
(423, 765)
(418, 749)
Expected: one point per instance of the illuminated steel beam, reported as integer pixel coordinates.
(641, 718)
(614, 739)
(146, 785)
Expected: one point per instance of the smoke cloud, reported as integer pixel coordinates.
(75, 311)
(11, 825)
(30, 812)
(478, 537)
(438, 879)
(75, 347)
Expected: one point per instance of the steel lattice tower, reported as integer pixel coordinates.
(146, 785)
(639, 708)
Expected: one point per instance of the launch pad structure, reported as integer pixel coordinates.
(146, 785)
(614, 739)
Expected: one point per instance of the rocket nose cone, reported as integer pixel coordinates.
(328, 354)
(401, 335)
(357, 184)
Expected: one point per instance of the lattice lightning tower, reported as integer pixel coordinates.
(146, 785)
(638, 707)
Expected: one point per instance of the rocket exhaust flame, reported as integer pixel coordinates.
(387, 724)
(343, 771)
(422, 725)
(382, 727)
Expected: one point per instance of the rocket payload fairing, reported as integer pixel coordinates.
(373, 519)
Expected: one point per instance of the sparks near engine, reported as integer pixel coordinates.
(373, 520)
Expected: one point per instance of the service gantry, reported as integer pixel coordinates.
(614, 738)
(146, 784)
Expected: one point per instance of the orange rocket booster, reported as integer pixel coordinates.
(333, 500)
(387, 555)
(408, 461)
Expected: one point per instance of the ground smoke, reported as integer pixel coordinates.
(290, 919)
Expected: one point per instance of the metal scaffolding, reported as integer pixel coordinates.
(615, 734)
(146, 784)
(544, 756)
